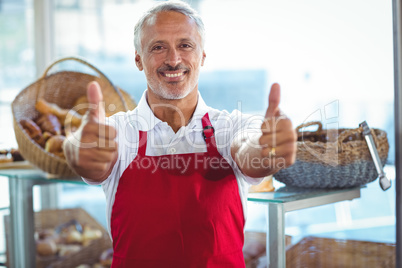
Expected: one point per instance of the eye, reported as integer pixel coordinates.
(157, 48)
(186, 46)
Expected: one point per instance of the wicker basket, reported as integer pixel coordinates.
(254, 250)
(89, 254)
(62, 88)
(326, 252)
(333, 158)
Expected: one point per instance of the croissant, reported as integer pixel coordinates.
(31, 128)
(65, 116)
(49, 123)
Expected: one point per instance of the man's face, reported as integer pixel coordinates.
(171, 55)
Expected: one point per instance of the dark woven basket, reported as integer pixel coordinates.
(333, 158)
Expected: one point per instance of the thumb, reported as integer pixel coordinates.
(274, 99)
(95, 101)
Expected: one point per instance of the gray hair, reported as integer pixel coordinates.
(177, 6)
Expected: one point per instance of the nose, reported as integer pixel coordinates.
(173, 57)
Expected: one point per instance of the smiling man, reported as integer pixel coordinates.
(175, 172)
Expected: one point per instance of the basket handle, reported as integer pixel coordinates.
(310, 124)
(346, 133)
(84, 62)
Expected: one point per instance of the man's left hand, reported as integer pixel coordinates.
(278, 139)
(260, 155)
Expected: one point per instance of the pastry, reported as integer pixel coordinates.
(84, 266)
(65, 250)
(31, 128)
(49, 123)
(46, 247)
(66, 116)
(54, 145)
(43, 139)
(73, 237)
(5, 159)
(90, 234)
(98, 265)
(16, 155)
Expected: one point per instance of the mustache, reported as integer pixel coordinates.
(170, 68)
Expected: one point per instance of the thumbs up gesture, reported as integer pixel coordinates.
(92, 150)
(95, 100)
(278, 139)
(257, 155)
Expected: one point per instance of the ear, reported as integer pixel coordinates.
(203, 58)
(138, 61)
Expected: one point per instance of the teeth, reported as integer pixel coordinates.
(174, 75)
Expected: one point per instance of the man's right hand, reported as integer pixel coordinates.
(92, 150)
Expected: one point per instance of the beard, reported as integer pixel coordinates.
(175, 90)
(168, 93)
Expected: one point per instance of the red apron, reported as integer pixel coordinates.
(167, 215)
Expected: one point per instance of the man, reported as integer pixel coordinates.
(174, 170)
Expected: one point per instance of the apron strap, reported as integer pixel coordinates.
(209, 135)
(142, 143)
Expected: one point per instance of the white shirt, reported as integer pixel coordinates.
(162, 140)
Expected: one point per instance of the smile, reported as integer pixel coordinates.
(174, 75)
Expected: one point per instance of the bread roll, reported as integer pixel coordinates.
(44, 138)
(46, 247)
(98, 265)
(54, 145)
(90, 234)
(65, 250)
(73, 237)
(84, 266)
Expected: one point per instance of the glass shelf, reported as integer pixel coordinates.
(38, 175)
(289, 194)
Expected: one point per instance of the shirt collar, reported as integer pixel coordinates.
(201, 109)
(145, 120)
